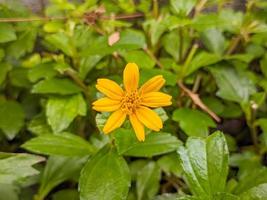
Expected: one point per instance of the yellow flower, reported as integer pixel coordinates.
(132, 102)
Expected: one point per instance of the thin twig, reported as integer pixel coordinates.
(31, 19)
(233, 44)
(197, 101)
(22, 19)
(199, 7)
(151, 55)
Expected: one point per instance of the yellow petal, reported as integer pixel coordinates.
(153, 85)
(149, 118)
(106, 105)
(109, 88)
(131, 77)
(156, 99)
(138, 127)
(115, 120)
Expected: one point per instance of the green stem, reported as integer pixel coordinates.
(189, 58)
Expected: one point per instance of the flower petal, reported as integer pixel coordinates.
(149, 118)
(153, 85)
(106, 105)
(131, 77)
(138, 127)
(115, 120)
(156, 99)
(109, 88)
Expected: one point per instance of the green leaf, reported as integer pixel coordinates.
(62, 42)
(202, 59)
(214, 40)
(38, 125)
(61, 111)
(4, 69)
(129, 40)
(263, 65)
(252, 178)
(149, 73)
(167, 196)
(7, 33)
(170, 164)
(56, 86)
(57, 170)
(154, 144)
(23, 44)
(193, 122)
(11, 118)
(105, 176)
(70, 194)
(2, 54)
(233, 85)
(205, 163)
(8, 191)
(43, 70)
(17, 167)
(147, 182)
(256, 193)
(140, 58)
(87, 64)
(64, 144)
(182, 7)
(19, 77)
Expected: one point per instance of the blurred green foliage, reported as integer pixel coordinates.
(214, 142)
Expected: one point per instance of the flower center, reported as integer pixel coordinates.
(130, 102)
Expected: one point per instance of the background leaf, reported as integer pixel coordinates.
(114, 181)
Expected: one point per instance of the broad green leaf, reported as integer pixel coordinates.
(23, 44)
(11, 118)
(87, 64)
(61, 111)
(167, 196)
(182, 7)
(154, 144)
(38, 125)
(7, 33)
(147, 182)
(193, 122)
(62, 42)
(256, 193)
(57, 170)
(70, 194)
(140, 58)
(42, 71)
(4, 69)
(202, 59)
(2, 54)
(205, 163)
(105, 176)
(233, 85)
(17, 167)
(8, 191)
(56, 86)
(19, 77)
(214, 40)
(263, 65)
(254, 177)
(135, 167)
(129, 40)
(155, 28)
(170, 164)
(149, 73)
(63, 144)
